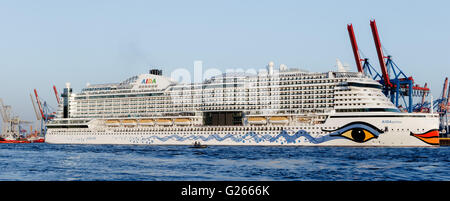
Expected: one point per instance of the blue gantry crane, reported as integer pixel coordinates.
(396, 84)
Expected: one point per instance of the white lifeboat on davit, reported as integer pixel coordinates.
(279, 120)
(257, 120)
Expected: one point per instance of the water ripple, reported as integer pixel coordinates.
(132, 162)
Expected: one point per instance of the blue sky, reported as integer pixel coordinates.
(45, 43)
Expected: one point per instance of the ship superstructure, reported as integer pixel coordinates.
(273, 107)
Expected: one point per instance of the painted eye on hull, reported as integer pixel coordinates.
(356, 131)
(358, 135)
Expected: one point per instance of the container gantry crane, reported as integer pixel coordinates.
(11, 124)
(396, 84)
(45, 113)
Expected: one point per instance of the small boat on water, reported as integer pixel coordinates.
(7, 140)
(21, 140)
(42, 140)
(198, 145)
(36, 140)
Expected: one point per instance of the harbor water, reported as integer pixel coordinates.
(55, 162)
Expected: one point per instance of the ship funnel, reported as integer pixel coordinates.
(156, 72)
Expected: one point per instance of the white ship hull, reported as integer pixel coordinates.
(377, 131)
(142, 138)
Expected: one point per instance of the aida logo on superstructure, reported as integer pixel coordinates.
(148, 81)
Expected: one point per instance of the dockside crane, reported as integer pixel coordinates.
(38, 116)
(56, 94)
(45, 113)
(444, 117)
(423, 106)
(442, 103)
(6, 120)
(442, 106)
(423, 99)
(396, 84)
(11, 124)
(39, 104)
(358, 59)
(438, 104)
(365, 68)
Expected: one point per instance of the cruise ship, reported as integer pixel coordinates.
(283, 107)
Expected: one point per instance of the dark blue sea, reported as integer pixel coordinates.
(50, 162)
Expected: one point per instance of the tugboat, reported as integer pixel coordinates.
(34, 137)
(10, 139)
(198, 145)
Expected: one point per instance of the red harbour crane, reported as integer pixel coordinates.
(56, 94)
(39, 104)
(358, 59)
(396, 84)
(381, 57)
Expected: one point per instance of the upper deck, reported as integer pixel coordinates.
(289, 92)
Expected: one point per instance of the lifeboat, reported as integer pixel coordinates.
(182, 121)
(164, 122)
(279, 120)
(257, 120)
(304, 120)
(146, 122)
(129, 122)
(112, 122)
